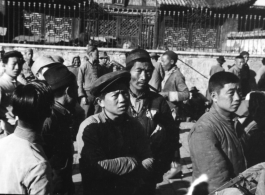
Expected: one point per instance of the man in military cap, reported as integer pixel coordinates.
(12, 61)
(41, 65)
(115, 153)
(88, 73)
(154, 114)
(57, 131)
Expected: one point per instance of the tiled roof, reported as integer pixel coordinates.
(204, 3)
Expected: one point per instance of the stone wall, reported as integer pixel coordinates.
(202, 62)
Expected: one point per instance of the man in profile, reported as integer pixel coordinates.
(217, 140)
(115, 153)
(24, 167)
(219, 66)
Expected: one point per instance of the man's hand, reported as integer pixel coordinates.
(84, 101)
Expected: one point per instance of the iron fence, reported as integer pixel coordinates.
(206, 30)
(53, 24)
(196, 29)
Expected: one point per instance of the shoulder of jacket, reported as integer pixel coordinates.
(38, 153)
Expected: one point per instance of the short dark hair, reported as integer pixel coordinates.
(75, 58)
(131, 63)
(244, 53)
(239, 57)
(12, 54)
(219, 79)
(32, 103)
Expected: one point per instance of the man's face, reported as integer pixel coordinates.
(116, 100)
(141, 74)
(246, 58)
(228, 98)
(28, 55)
(167, 63)
(103, 61)
(13, 66)
(94, 55)
(239, 63)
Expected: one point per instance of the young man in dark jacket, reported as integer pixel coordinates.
(217, 141)
(154, 114)
(115, 153)
(56, 131)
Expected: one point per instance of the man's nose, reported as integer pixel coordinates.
(143, 75)
(237, 96)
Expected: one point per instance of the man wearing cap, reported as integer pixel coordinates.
(57, 131)
(12, 62)
(218, 67)
(158, 73)
(41, 65)
(115, 153)
(154, 114)
(88, 73)
(197, 104)
(26, 74)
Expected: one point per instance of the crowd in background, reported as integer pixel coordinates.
(125, 120)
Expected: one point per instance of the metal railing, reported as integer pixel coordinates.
(196, 29)
(209, 31)
(56, 24)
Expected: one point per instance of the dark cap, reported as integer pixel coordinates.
(193, 89)
(59, 76)
(11, 54)
(221, 59)
(172, 55)
(138, 54)
(107, 80)
(244, 53)
(91, 48)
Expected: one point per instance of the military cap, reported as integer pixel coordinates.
(91, 48)
(107, 80)
(103, 55)
(172, 55)
(59, 76)
(11, 54)
(137, 54)
(42, 62)
(244, 53)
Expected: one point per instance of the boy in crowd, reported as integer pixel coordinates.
(115, 153)
(12, 62)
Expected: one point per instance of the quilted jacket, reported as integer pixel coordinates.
(217, 146)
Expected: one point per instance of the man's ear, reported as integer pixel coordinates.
(172, 62)
(214, 96)
(100, 102)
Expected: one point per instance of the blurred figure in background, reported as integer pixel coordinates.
(26, 74)
(12, 61)
(158, 73)
(88, 73)
(104, 63)
(74, 68)
(218, 67)
(260, 77)
(24, 167)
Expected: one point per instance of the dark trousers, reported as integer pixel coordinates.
(91, 108)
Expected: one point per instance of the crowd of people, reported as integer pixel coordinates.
(125, 121)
